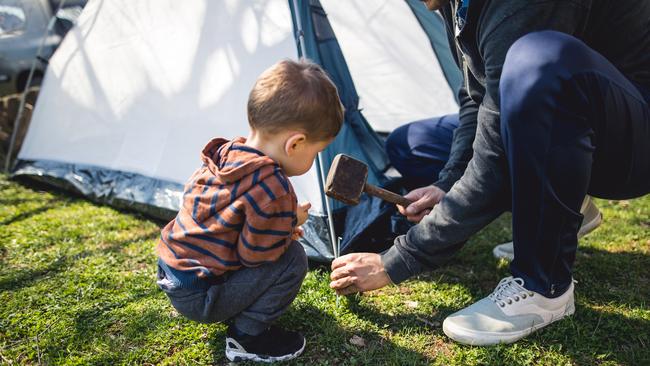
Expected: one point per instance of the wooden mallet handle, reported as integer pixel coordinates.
(386, 195)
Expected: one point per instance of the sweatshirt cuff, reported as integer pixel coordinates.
(398, 263)
(445, 183)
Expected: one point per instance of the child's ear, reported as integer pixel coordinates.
(294, 143)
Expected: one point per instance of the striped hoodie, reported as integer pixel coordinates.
(238, 209)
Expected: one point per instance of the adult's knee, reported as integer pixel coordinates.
(397, 147)
(533, 70)
(540, 55)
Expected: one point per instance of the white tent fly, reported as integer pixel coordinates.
(137, 88)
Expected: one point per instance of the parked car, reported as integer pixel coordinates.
(23, 24)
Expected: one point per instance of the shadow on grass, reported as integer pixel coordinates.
(328, 343)
(93, 322)
(593, 337)
(26, 277)
(47, 205)
(402, 321)
(18, 201)
(619, 278)
(69, 195)
(121, 337)
(607, 325)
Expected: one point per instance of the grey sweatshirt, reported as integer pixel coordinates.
(476, 176)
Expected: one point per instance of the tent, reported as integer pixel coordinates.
(138, 87)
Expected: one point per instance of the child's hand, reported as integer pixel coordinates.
(303, 212)
(298, 233)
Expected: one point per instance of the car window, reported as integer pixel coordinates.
(12, 19)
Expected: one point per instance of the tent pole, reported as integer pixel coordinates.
(330, 218)
(321, 171)
(23, 97)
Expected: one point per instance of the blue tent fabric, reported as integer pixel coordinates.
(372, 225)
(356, 137)
(368, 225)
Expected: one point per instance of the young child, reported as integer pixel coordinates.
(230, 254)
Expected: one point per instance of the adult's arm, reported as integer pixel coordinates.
(461, 146)
(463, 138)
(482, 193)
(425, 198)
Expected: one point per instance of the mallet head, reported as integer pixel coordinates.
(346, 179)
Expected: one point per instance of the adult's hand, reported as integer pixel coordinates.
(423, 201)
(358, 272)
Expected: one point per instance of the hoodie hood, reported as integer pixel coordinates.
(230, 161)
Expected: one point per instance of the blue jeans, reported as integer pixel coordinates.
(250, 298)
(419, 150)
(571, 124)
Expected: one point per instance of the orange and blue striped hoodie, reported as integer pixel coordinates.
(238, 209)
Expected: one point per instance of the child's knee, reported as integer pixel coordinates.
(298, 258)
(191, 305)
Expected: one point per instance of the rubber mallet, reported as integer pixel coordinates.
(347, 180)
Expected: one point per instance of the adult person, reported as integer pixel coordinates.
(558, 91)
(420, 151)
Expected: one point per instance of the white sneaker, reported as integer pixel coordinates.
(508, 314)
(592, 219)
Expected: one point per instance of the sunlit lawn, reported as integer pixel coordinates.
(77, 287)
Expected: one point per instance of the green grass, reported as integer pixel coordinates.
(77, 287)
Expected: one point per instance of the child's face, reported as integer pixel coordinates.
(300, 157)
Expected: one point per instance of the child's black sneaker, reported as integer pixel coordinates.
(272, 345)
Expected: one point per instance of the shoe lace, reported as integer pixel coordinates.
(509, 290)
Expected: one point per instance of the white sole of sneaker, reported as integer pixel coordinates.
(473, 338)
(591, 225)
(237, 356)
(499, 253)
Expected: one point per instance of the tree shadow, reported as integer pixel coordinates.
(607, 326)
(62, 194)
(27, 277)
(613, 277)
(47, 205)
(594, 336)
(98, 327)
(400, 322)
(17, 201)
(610, 323)
(93, 322)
